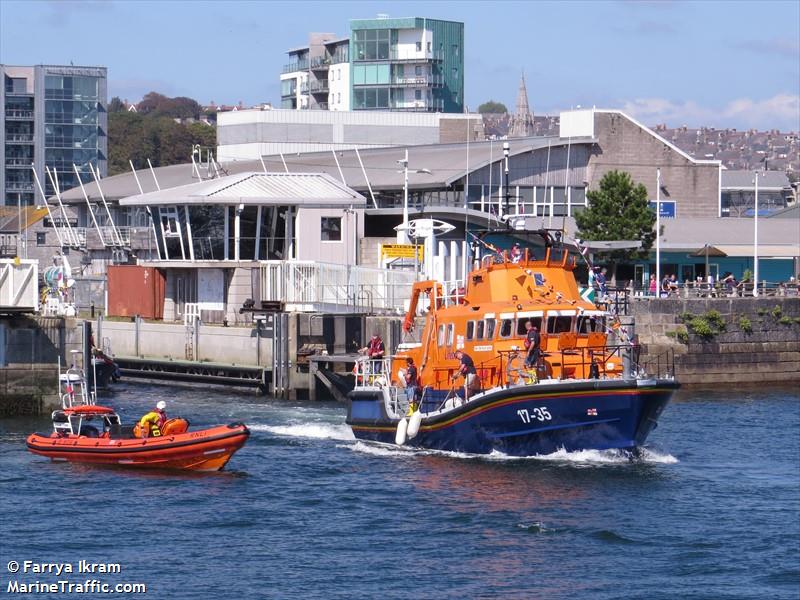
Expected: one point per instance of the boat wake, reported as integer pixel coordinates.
(580, 457)
(598, 457)
(319, 431)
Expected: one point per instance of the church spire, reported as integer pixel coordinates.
(521, 124)
(522, 97)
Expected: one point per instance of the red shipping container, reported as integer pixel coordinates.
(135, 290)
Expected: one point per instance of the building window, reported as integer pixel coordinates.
(455, 50)
(331, 229)
(419, 46)
(429, 46)
(371, 44)
(418, 70)
(417, 94)
(41, 238)
(338, 97)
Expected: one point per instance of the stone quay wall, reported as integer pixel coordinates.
(748, 340)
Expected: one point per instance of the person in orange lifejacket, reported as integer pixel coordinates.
(152, 423)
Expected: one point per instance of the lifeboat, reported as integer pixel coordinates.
(582, 388)
(93, 434)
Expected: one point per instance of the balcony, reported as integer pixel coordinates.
(418, 81)
(318, 87)
(403, 56)
(13, 161)
(295, 66)
(19, 186)
(19, 138)
(13, 114)
(320, 63)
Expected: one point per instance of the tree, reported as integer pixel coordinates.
(116, 105)
(618, 210)
(492, 107)
(153, 133)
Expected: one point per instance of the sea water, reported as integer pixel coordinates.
(711, 509)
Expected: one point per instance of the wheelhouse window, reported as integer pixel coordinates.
(591, 324)
(449, 334)
(470, 329)
(505, 328)
(331, 229)
(559, 324)
(522, 330)
(490, 325)
(480, 330)
(440, 336)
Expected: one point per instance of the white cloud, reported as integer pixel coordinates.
(782, 111)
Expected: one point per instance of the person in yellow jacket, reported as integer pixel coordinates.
(152, 423)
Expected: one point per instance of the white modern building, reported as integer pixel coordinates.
(250, 134)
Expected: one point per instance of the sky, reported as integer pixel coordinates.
(716, 64)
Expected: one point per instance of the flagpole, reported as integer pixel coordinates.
(755, 242)
(658, 233)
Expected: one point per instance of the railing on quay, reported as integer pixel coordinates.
(691, 289)
(310, 285)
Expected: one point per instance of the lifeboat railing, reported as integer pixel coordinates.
(453, 292)
(660, 366)
(372, 373)
(73, 388)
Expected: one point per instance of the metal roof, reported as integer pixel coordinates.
(743, 180)
(307, 189)
(447, 163)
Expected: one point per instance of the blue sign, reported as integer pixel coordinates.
(667, 208)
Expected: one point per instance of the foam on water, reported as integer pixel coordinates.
(595, 457)
(580, 457)
(321, 431)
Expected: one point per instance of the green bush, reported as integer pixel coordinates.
(761, 312)
(700, 326)
(679, 334)
(797, 320)
(777, 312)
(715, 320)
(745, 324)
(686, 317)
(785, 320)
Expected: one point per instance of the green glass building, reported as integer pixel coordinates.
(407, 64)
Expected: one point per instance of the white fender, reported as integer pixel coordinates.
(402, 428)
(413, 424)
(401, 378)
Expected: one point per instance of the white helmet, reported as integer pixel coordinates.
(161, 405)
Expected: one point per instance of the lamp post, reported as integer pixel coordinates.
(658, 233)
(755, 240)
(505, 161)
(402, 233)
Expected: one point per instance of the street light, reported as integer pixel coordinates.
(402, 233)
(755, 240)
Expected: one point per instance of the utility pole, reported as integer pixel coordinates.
(755, 240)
(505, 158)
(658, 234)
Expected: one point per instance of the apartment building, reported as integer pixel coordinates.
(406, 64)
(50, 115)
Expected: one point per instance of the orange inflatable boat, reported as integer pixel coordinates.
(93, 434)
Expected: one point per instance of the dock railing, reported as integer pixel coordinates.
(309, 286)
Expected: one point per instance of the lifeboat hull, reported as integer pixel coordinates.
(526, 420)
(202, 450)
